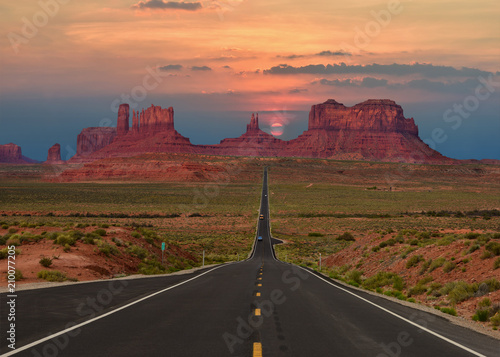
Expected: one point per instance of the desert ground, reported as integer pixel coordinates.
(427, 234)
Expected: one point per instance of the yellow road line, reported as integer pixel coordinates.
(257, 294)
(259, 279)
(257, 312)
(257, 349)
(259, 284)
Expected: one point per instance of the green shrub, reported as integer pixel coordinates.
(458, 291)
(104, 225)
(449, 310)
(354, 276)
(52, 275)
(471, 235)
(493, 284)
(5, 226)
(473, 248)
(14, 240)
(417, 290)
(139, 252)
(481, 315)
(436, 264)
(18, 275)
(136, 235)
(46, 262)
(486, 255)
(496, 264)
(413, 261)
(65, 240)
(424, 267)
(346, 236)
(449, 266)
(495, 320)
(315, 234)
(493, 247)
(382, 279)
(13, 230)
(486, 302)
(4, 253)
(107, 249)
(100, 232)
(482, 240)
(150, 267)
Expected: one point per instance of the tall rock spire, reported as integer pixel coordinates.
(123, 120)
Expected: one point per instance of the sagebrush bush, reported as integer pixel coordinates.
(52, 275)
(347, 236)
(413, 261)
(449, 266)
(46, 262)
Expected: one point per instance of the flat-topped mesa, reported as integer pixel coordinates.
(11, 153)
(254, 123)
(122, 126)
(155, 119)
(375, 115)
(54, 154)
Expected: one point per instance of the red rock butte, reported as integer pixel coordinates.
(375, 130)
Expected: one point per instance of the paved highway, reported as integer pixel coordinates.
(259, 307)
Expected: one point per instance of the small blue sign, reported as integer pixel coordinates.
(163, 246)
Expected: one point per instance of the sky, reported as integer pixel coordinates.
(66, 65)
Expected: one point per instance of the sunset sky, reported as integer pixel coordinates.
(66, 64)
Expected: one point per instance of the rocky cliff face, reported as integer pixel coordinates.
(375, 115)
(373, 130)
(54, 155)
(11, 153)
(91, 140)
(122, 126)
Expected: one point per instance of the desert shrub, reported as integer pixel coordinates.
(446, 240)
(495, 320)
(423, 235)
(51, 275)
(315, 234)
(151, 267)
(481, 315)
(434, 289)
(496, 263)
(482, 240)
(486, 255)
(5, 226)
(424, 267)
(473, 248)
(100, 232)
(107, 249)
(417, 290)
(471, 235)
(449, 311)
(436, 264)
(81, 225)
(382, 279)
(449, 266)
(13, 230)
(14, 240)
(375, 249)
(389, 242)
(136, 235)
(5, 252)
(413, 261)
(354, 276)
(458, 291)
(77, 235)
(18, 275)
(493, 284)
(347, 236)
(65, 240)
(413, 242)
(493, 247)
(408, 251)
(104, 225)
(486, 302)
(46, 262)
(139, 252)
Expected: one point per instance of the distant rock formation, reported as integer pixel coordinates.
(12, 154)
(152, 131)
(91, 140)
(374, 130)
(54, 155)
(123, 120)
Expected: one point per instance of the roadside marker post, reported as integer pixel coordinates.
(162, 250)
(203, 259)
(319, 261)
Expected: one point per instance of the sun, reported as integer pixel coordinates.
(277, 129)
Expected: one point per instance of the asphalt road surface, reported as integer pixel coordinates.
(258, 307)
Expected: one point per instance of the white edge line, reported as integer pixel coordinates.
(398, 316)
(25, 347)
